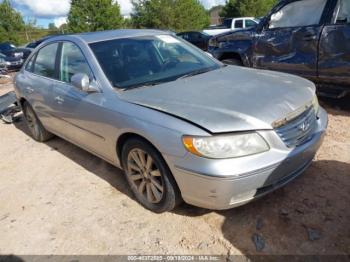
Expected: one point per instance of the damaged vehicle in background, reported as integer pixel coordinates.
(12, 63)
(310, 38)
(180, 123)
(198, 39)
(11, 50)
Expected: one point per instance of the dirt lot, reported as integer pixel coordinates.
(58, 199)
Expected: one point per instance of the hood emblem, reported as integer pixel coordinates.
(304, 126)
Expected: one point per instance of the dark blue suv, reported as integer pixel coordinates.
(310, 38)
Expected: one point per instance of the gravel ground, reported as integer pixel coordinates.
(58, 199)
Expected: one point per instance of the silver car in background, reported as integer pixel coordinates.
(182, 125)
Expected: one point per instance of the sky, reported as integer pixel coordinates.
(55, 11)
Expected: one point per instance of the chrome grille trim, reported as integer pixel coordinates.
(298, 130)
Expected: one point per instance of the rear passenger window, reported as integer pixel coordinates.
(72, 62)
(45, 61)
(239, 24)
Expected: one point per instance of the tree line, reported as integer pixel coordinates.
(95, 15)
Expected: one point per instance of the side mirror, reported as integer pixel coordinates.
(262, 25)
(82, 82)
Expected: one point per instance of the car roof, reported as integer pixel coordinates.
(111, 34)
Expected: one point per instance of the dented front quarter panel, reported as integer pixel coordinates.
(238, 42)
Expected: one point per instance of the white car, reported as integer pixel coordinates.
(231, 24)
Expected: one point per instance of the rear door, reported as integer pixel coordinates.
(334, 57)
(288, 41)
(37, 81)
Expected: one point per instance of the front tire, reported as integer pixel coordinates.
(232, 61)
(37, 130)
(149, 176)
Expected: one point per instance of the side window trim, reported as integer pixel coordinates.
(32, 65)
(35, 56)
(58, 61)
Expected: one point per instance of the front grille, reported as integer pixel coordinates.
(298, 130)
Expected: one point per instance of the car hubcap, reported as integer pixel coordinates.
(145, 176)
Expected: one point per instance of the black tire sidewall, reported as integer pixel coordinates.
(171, 192)
(232, 61)
(42, 135)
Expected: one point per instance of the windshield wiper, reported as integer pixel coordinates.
(146, 84)
(196, 72)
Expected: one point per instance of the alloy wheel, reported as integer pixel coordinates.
(145, 176)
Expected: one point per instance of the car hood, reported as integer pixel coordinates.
(12, 58)
(228, 99)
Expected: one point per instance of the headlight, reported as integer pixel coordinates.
(8, 63)
(213, 42)
(226, 146)
(315, 104)
(19, 54)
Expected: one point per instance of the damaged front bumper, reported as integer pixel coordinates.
(227, 183)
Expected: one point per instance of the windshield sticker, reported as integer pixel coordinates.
(168, 39)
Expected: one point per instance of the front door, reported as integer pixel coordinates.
(334, 60)
(289, 40)
(80, 113)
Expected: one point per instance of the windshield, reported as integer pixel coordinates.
(150, 60)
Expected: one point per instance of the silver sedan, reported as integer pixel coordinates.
(180, 124)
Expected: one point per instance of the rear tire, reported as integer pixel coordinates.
(149, 176)
(37, 130)
(232, 61)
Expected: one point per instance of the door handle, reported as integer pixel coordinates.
(59, 99)
(29, 90)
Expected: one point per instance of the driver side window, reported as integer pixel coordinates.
(297, 14)
(342, 12)
(72, 62)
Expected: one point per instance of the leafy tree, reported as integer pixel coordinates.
(94, 15)
(239, 8)
(190, 15)
(127, 23)
(63, 28)
(177, 15)
(52, 26)
(11, 22)
(230, 9)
